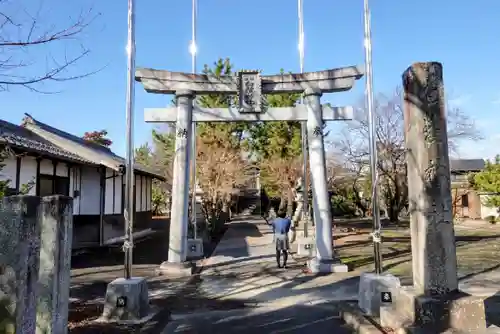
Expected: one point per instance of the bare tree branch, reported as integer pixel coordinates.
(353, 145)
(25, 39)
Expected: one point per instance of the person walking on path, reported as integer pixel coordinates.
(281, 226)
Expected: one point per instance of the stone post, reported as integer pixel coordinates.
(55, 264)
(431, 219)
(324, 261)
(179, 215)
(434, 304)
(19, 263)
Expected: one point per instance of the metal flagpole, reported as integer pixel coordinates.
(303, 125)
(129, 164)
(373, 143)
(192, 50)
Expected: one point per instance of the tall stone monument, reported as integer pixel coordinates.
(429, 185)
(434, 301)
(250, 89)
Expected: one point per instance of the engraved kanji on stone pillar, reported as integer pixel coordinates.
(429, 187)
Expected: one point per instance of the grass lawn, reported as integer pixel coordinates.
(477, 250)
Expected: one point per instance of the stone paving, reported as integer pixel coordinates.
(243, 269)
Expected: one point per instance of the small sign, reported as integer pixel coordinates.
(193, 248)
(121, 301)
(386, 297)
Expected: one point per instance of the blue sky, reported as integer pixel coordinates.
(463, 35)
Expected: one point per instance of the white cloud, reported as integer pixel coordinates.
(480, 149)
(460, 100)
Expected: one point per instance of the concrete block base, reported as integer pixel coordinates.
(195, 248)
(435, 314)
(175, 269)
(126, 301)
(306, 247)
(317, 266)
(456, 310)
(371, 288)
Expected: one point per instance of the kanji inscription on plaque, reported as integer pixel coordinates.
(250, 96)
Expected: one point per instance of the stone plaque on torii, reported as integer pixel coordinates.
(250, 89)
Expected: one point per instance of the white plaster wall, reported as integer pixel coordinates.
(62, 169)
(47, 168)
(113, 179)
(486, 211)
(74, 185)
(90, 192)
(142, 194)
(148, 193)
(28, 173)
(108, 193)
(8, 172)
(137, 193)
(118, 194)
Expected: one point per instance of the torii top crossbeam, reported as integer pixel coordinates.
(328, 81)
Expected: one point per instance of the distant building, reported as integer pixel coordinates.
(467, 202)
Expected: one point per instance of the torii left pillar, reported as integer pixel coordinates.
(176, 263)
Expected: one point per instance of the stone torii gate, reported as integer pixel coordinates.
(250, 87)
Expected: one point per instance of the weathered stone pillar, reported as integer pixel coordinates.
(19, 263)
(433, 304)
(179, 216)
(324, 261)
(55, 264)
(431, 219)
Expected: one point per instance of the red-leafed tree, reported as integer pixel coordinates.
(98, 137)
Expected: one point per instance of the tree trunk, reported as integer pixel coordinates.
(289, 204)
(282, 205)
(225, 212)
(393, 213)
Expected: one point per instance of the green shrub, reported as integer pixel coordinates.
(491, 219)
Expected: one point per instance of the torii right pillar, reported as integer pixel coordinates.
(434, 303)
(324, 262)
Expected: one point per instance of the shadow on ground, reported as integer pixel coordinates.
(235, 243)
(242, 227)
(151, 250)
(92, 271)
(492, 306)
(320, 318)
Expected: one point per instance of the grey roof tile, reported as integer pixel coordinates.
(467, 165)
(96, 153)
(28, 137)
(20, 137)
